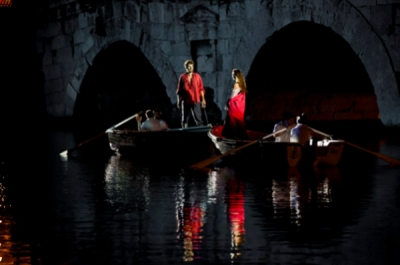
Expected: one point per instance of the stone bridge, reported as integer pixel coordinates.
(333, 59)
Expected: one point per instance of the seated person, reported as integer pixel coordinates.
(301, 133)
(150, 124)
(287, 122)
(157, 116)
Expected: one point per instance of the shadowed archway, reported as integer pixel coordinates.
(308, 56)
(349, 23)
(119, 83)
(307, 67)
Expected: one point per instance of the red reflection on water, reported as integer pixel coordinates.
(190, 217)
(193, 216)
(236, 214)
(11, 251)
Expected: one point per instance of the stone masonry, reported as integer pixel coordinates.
(221, 34)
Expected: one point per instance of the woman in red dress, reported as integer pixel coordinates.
(234, 126)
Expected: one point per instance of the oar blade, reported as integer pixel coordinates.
(392, 161)
(65, 153)
(205, 163)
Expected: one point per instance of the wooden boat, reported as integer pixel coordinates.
(325, 153)
(225, 145)
(185, 141)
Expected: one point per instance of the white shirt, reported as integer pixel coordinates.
(152, 125)
(163, 125)
(285, 136)
(301, 134)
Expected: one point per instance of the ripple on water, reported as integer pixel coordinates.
(112, 210)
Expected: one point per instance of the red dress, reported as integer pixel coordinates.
(234, 126)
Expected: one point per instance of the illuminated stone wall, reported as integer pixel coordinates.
(219, 36)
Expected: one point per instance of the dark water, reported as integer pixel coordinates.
(100, 208)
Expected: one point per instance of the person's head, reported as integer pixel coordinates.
(189, 66)
(237, 75)
(302, 119)
(149, 114)
(289, 118)
(157, 114)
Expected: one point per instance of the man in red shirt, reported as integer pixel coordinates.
(190, 95)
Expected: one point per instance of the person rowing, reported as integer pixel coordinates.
(302, 133)
(289, 122)
(150, 124)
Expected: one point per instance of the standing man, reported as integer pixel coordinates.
(190, 95)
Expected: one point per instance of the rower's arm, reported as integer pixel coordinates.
(277, 128)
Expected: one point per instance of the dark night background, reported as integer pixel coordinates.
(22, 94)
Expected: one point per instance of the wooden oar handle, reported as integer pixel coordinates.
(272, 134)
(66, 152)
(321, 133)
(91, 139)
(392, 161)
(124, 121)
(211, 160)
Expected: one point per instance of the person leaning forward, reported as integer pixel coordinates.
(157, 116)
(302, 133)
(190, 95)
(289, 122)
(150, 124)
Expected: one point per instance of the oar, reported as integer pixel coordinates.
(211, 160)
(194, 128)
(205, 115)
(66, 152)
(392, 161)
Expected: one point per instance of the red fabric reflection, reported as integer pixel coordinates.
(193, 223)
(236, 213)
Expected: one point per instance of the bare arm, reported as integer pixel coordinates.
(202, 93)
(139, 122)
(235, 90)
(317, 136)
(203, 99)
(179, 101)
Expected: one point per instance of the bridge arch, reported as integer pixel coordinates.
(138, 37)
(344, 19)
(119, 83)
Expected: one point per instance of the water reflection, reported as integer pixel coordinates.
(126, 186)
(301, 199)
(304, 190)
(12, 251)
(190, 211)
(236, 213)
(111, 210)
(6, 245)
